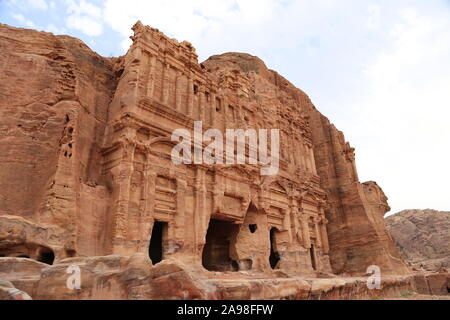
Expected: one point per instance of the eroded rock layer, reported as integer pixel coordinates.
(423, 237)
(85, 146)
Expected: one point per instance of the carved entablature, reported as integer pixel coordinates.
(276, 216)
(231, 192)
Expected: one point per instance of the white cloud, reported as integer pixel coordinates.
(85, 24)
(125, 44)
(206, 23)
(38, 4)
(404, 136)
(54, 29)
(374, 18)
(21, 19)
(85, 17)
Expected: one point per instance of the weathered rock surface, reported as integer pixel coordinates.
(9, 292)
(87, 178)
(118, 277)
(423, 237)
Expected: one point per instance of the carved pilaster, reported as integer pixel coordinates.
(305, 228)
(202, 114)
(181, 209)
(178, 91)
(122, 176)
(318, 232)
(324, 233)
(143, 210)
(165, 84)
(218, 193)
(201, 225)
(151, 78)
(313, 161)
(297, 225)
(190, 99)
(211, 108)
(224, 113)
(306, 157)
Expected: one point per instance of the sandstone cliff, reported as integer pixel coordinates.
(356, 229)
(423, 237)
(86, 171)
(50, 85)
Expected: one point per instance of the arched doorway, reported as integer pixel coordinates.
(312, 252)
(219, 239)
(274, 257)
(156, 247)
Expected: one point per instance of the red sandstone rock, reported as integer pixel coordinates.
(9, 292)
(423, 237)
(86, 171)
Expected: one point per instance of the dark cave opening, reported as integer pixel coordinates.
(156, 250)
(274, 257)
(216, 252)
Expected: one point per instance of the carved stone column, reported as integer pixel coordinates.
(181, 207)
(211, 107)
(305, 228)
(306, 157)
(296, 224)
(200, 225)
(293, 156)
(150, 206)
(298, 153)
(190, 99)
(318, 233)
(165, 84)
(287, 223)
(143, 210)
(225, 113)
(218, 193)
(323, 231)
(178, 91)
(151, 78)
(323, 228)
(122, 176)
(313, 161)
(201, 108)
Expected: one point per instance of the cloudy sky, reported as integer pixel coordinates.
(379, 69)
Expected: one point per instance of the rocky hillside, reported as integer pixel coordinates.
(423, 237)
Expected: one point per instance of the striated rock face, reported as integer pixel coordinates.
(423, 237)
(54, 98)
(85, 147)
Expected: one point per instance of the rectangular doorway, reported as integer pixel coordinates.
(156, 247)
(313, 257)
(220, 238)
